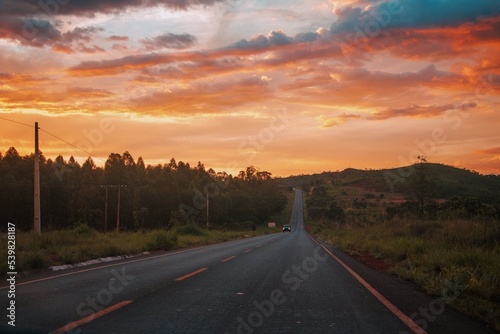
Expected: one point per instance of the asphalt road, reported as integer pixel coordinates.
(278, 283)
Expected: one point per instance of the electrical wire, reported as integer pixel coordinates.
(67, 142)
(10, 120)
(57, 137)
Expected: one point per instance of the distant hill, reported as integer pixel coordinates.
(450, 181)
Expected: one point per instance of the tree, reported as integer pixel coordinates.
(114, 169)
(155, 196)
(89, 164)
(141, 167)
(420, 186)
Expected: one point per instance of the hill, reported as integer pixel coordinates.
(450, 181)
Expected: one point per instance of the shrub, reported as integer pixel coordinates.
(190, 230)
(32, 260)
(162, 240)
(84, 230)
(110, 250)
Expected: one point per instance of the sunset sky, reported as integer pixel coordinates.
(291, 87)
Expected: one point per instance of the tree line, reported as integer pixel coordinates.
(160, 196)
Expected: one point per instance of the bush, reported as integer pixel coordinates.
(32, 261)
(162, 240)
(110, 250)
(190, 230)
(84, 230)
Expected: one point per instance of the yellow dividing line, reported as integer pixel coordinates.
(229, 258)
(191, 274)
(248, 250)
(91, 317)
(397, 312)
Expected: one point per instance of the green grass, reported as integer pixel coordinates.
(83, 243)
(218, 236)
(458, 261)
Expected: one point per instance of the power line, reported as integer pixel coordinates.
(67, 142)
(10, 120)
(57, 137)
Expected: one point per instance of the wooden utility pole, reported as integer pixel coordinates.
(37, 213)
(118, 211)
(119, 186)
(106, 211)
(208, 203)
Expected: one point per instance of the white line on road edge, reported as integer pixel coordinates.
(125, 262)
(397, 312)
(100, 267)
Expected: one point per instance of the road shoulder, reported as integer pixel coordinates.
(429, 312)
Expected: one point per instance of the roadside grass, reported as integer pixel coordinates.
(458, 261)
(82, 243)
(217, 236)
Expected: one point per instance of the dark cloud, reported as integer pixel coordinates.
(112, 66)
(258, 42)
(42, 33)
(32, 22)
(307, 37)
(490, 30)
(412, 14)
(118, 38)
(90, 7)
(445, 12)
(80, 34)
(275, 38)
(169, 41)
(279, 38)
(28, 31)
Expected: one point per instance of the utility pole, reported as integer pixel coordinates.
(119, 186)
(106, 210)
(37, 213)
(118, 210)
(208, 203)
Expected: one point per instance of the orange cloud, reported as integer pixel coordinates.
(328, 122)
(62, 48)
(420, 111)
(203, 98)
(492, 151)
